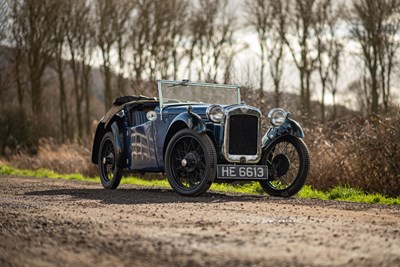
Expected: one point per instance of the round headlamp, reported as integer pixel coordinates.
(277, 116)
(215, 113)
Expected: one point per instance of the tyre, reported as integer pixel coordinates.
(190, 162)
(110, 174)
(288, 164)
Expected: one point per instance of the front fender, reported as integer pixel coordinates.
(290, 127)
(192, 120)
(184, 120)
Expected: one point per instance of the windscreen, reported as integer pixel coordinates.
(199, 93)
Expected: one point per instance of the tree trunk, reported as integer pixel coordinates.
(334, 105)
(374, 92)
(63, 106)
(262, 67)
(78, 101)
(323, 84)
(86, 91)
(36, 93)
(107, 87)
(18, 77)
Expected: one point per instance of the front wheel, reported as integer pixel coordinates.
(190, 162)
(288, 163)
(110, 174)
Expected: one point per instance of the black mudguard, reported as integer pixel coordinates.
(192, 120)
(290, 127)
(119, 145)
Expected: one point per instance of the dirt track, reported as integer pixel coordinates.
(47, 222)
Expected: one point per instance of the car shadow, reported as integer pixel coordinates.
(143, 196)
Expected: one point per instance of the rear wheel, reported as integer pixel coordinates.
(110, 174)
(190, 162)
(288, 164)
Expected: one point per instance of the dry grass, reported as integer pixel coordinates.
(357, 153)
(65, 158)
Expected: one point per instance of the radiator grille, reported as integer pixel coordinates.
(243, 134)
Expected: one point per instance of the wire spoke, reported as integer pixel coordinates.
(283, 160)
(188, 176)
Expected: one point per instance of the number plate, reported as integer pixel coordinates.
(250, 172)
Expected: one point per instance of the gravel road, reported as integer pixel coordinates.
(51, 222)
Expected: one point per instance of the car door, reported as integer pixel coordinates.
(142, 146)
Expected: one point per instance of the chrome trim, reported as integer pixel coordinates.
(272, 111)
(151, 115)
(160, 98)
(120, 113)
(245, 110)
(209, 109)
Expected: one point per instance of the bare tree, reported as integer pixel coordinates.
(181, 13)
(158, 35)
(269, 20)
(4, 9)
(17, 41)
(106, 14)
(326, 21)
(59, 65)
(80, 43)
(300, 35)
(334, 74)
(259, 15)
(121, 26)
(139, 40)
(3, 27)
(169, 36)
(388, 52)
(276, 46)
(33, 24)
(369, 27)
(211, 29)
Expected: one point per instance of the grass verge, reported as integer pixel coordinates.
(338, 193)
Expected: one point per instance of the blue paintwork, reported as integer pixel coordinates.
(142, 147)
(150, 137)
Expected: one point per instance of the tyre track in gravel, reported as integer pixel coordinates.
(51, 222)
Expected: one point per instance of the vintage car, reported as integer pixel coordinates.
(197, 134)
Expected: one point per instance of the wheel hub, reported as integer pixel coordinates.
(281, 164)
(109, 159)
(189, 161)
(184, 162)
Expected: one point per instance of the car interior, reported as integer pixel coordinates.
(137, 113)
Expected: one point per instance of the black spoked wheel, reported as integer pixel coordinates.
(190, 163)
(288, 164)
(110, 174)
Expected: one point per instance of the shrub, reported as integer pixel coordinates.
(359, 153)
(62, 158)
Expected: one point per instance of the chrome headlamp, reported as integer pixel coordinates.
(277, 116)
(215, 113)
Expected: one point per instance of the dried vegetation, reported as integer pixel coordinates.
(62, 158)
(358, 153)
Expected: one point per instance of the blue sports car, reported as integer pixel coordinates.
(197, 134)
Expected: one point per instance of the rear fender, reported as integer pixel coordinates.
(102, 128)
(119, 145)
(100, 132)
